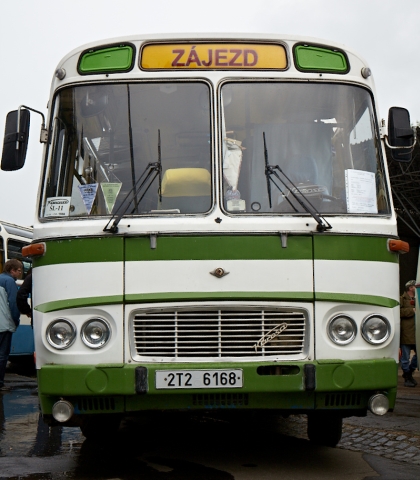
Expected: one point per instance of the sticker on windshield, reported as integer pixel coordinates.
(88, 193)
(361, 191)
(57, 207)
(110, 191)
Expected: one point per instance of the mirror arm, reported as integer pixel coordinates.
(44, 132)
(410, 147)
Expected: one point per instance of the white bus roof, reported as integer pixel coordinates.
(17, 230)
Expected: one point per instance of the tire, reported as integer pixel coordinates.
(325, 429)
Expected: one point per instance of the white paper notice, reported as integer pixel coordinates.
(361, 192)
(57, 207)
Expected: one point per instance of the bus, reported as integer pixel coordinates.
(214, 232)
(12, 239)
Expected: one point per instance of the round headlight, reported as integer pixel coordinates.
(62, 411)
(342, 329)
(378, 404)
(95, 332)
(61, 333)
(376, 329)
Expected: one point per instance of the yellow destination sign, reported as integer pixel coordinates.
(214, 56)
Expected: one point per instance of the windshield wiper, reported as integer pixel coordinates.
(140, 188)
(270, 171)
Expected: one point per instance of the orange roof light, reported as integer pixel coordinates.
(398, 246)
(34, 250)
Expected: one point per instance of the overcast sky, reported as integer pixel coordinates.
(35, 35)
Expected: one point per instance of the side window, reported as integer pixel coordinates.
(362, 143)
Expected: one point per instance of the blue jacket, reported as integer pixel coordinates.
(9, 313)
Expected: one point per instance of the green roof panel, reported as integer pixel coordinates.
(312, 58)
(106, 60)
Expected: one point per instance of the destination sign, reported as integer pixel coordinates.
(213, 56)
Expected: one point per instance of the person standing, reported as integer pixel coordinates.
(408, 333)
(9, 313)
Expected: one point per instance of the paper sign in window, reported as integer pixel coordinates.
(361, 192)
(57, 207)
(110, 191)
(88, 193)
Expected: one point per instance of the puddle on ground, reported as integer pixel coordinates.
(27, 445)
(23, 433)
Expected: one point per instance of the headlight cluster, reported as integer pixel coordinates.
(375, 329)
(342, 329)
(61, 333)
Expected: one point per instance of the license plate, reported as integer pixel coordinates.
(176, 379)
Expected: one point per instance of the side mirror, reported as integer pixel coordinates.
(400, 134)
(15, 142)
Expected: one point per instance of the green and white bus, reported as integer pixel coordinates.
(215, 231)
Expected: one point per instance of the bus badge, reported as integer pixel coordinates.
(219, 273)
(271, 335)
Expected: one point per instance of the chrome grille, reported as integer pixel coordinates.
(185, 333)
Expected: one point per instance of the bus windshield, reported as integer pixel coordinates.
(322, 137)
(105, 137)
(319, 138)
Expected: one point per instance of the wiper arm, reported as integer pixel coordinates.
(270, 171)
(141, 186)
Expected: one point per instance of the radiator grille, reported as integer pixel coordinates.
(343, 400)
(95, 404)
(221, 400)
(182, 333)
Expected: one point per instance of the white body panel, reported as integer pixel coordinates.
(79, 353)
(359, 348)
(243, 276)
(78, 280)
(355, 277)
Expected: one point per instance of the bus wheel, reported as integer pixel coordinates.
(325, 428)
(100, 427)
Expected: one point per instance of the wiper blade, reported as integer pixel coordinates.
(141, 187)
(270, 171)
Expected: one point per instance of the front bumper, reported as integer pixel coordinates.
(295, 387)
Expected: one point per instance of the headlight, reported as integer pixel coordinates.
(342, 329)
(61, 333)
(95, 332)
(375, 329)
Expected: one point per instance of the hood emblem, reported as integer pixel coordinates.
(219, 273)
(271, 335)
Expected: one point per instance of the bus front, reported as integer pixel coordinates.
(214, 233)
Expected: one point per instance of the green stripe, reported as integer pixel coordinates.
(217, 247)
(356, 298)
(231, 247)
(219, 296)
(78, 302)
(342, 247)
(82, 250)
